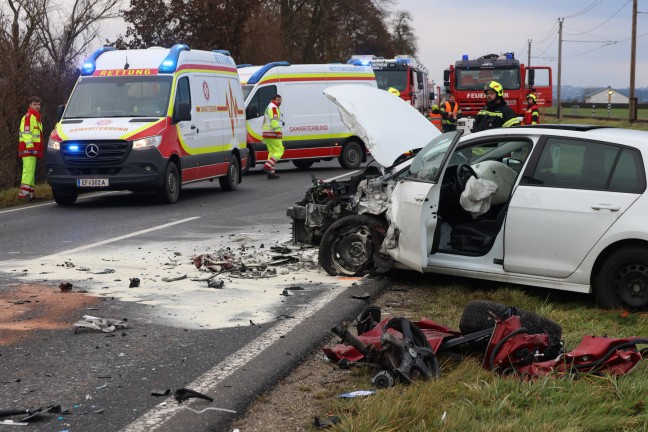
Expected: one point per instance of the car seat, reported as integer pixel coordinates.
(477, 237)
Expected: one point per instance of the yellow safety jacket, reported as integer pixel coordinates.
(271, 127)
(30, 135)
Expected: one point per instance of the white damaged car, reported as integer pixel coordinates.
(554, 206)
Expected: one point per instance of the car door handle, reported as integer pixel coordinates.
(194, 127)
(610, 207)
(420, 198)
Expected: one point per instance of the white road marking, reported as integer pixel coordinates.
(51, 203)
(342, 175)
(207, 383)
(114, 239)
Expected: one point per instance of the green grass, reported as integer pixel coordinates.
(600, 111)
(9, 197)
(474, 399)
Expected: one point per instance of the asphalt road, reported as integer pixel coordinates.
(106, 380)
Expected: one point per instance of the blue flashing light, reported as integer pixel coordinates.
(356, 62)
(238, 66)
(90, 64)
(402, 61)
(224, 52)
(256, 76)
(464, 57)
(170, 63)
(73, 147)
(509, 56)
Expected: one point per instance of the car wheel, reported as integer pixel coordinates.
(169, 192)
(623, 280)
(230, 181)
(303, 164)
(349, 245)
(65, 197)
(250, 161)
(351, 156)
(478, 315)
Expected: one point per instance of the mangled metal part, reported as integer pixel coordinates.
(97, 324)
(373, 196)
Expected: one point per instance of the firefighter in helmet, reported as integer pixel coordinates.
(393, 91)
(435, 116)
(531, 115)
(496, 113)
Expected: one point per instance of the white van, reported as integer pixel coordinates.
(312, 126)
(149, 119)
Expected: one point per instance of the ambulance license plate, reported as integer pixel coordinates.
(92, 182)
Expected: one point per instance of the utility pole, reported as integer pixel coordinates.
(632, 115)
(560, 23)
(529, 59)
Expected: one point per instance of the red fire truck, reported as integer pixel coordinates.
(404, 73)
(466, 80)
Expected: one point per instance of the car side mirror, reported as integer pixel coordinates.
(432, 96)
(59, 112)
(420, 86)
(182, 112)
(251, 112)
(531, 77)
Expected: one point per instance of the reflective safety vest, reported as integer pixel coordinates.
(30, 137)
(448, 108)
(271, 127)
(436, 120)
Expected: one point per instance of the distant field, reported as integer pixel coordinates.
(599, 112)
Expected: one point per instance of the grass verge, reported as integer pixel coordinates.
(9, 197)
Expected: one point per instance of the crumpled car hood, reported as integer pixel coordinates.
(388, 125)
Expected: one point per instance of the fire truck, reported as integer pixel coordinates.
(404, 73)
(466, 80)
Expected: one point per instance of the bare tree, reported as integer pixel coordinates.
(403, 33)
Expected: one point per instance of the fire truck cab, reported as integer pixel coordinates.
(404, 73)
(466, 80)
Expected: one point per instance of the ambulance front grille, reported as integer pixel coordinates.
(94, 152)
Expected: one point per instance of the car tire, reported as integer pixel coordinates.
(230, 181)
(351, 155)
(65, 196)
(303, 164)
(478, 315)
(249, 162)
(622, 281)
(348, 246)
(169, 191)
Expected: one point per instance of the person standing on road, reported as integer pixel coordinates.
(30, 147)
(496, 113)
(272, 136)
(450, 112)
(435, 116)
(531, 115)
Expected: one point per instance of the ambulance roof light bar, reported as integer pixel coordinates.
(256, 76)
(170, 63)
(90, 64)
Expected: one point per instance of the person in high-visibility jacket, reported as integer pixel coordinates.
(450, 112)
(393, 91)
(496, 113)
(30, 147)
(531, 115)
(272, 136)
(435, 116)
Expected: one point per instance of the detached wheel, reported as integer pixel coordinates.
(230, 181)
(349, 245)
(303, 164)
(623, 280)
(169, 192)
(351, 156)
(65, 197)
(477, 316)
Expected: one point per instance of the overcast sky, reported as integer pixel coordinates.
(596, 36)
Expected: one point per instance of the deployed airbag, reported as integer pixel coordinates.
(476, 197)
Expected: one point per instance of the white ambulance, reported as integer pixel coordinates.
(312, 126)
(149, 120)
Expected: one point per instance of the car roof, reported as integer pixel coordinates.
(636, 138)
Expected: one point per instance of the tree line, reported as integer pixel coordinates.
(43, 41)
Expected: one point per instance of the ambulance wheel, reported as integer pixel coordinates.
(65, 197)
(303, 164)
(169, 192)
(230, 181)
(351, 156)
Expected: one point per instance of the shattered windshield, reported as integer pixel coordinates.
(428, 163)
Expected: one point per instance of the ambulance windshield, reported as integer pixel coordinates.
(120, 96)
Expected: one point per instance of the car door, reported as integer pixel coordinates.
(187, 131)
(566, 201)
(415, 202)
(210, 106)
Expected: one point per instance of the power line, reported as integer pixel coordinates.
(612, 16)
(549, 34)
(587, 9)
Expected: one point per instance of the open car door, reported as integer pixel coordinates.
(415, 203)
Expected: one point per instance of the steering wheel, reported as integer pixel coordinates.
(463, 173)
